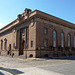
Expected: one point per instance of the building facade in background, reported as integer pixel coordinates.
(37, 34)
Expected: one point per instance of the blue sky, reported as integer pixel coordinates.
(9, 9)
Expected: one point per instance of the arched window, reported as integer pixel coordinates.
(69, 40)
(54, 38)
(74, 41)
(1, 44)
(5, 44)
(62, 39)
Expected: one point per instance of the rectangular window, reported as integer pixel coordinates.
(45, 31)
(45, 43)
(31, 43)
(23, 30)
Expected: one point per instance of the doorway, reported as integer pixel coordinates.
(22, 47)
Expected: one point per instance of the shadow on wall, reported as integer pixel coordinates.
(12, 71)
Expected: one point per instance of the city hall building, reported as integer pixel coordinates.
(37, 34)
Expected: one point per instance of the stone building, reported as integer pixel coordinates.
(38, 34)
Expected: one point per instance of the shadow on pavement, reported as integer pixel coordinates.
(12, 71)
(62, 58)
(1, 73)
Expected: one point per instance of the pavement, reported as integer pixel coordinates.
(18, 66)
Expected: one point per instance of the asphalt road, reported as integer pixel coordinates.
(15, 66)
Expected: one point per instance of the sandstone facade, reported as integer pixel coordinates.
(31, 35)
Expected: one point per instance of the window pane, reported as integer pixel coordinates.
(45, 43)
(54, 38)
(45, 31)
(62, 39)
(69, 40)
(5, 45)
(23, 30)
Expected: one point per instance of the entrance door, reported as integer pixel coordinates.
(22, 47)
(22, 42)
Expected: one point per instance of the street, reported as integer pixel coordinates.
(17, 66)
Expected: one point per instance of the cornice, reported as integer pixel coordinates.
(16, 23)
(54, 19)
(41, 15)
